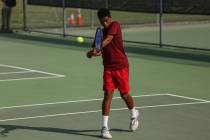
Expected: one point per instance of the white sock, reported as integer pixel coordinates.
(105, 120)
(133, 113)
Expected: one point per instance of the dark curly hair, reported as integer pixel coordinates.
(103, 12)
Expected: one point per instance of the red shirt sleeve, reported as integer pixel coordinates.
(113, 29)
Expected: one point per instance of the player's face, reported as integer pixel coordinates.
(105, 21)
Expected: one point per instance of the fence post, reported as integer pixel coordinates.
(24, 15)
(92, 18)
(107, 4)
(161, 23)
(64, 18)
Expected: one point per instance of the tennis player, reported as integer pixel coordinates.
(116, 70)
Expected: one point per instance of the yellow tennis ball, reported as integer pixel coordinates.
(80, 39)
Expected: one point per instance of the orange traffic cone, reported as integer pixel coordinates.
(79, 17)
(71, 20)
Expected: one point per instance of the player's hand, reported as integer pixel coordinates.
(90, 54)
(93, 52)
(96, 52)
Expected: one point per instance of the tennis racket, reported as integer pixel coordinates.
(98, 39)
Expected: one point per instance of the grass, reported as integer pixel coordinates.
(51, 17)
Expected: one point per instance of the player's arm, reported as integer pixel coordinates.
(107, 40)
(94, 52)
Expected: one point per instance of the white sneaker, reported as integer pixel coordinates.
(105, 133)
(134, 122)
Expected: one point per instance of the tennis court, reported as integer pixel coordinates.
(57, 92)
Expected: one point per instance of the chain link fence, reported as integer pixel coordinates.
(180, 30)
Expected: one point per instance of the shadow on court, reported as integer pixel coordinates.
(58, 40)
(169, 52)
(9, 128)
(142, 49)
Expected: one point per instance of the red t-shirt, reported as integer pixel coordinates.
(114, 57)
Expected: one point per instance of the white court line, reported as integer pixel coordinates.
(95, 111)
(53, 75)
(5, 73)
(190, 98)
(66, 102)
(44, 77)
(59, 75)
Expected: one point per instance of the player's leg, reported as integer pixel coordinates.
(105, 114)
(128, 100)
(107, 103)
(108, 88)
(122, 77)
(134, 113)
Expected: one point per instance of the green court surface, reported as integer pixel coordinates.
(50, 90)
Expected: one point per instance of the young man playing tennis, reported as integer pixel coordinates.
(116, 70)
